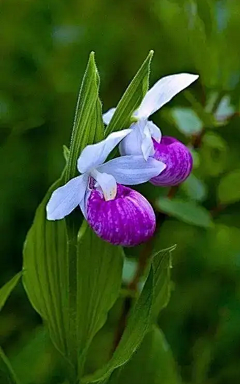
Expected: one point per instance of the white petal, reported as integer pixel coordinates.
(107, 184)
(95, 154)
(108, 115)
(66, 198)
(162, 92)
(132, 143)
(132, 170)
(147, 144)
(154, 131)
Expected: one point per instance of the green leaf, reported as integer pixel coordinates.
(229, 188)
(214, 154)
(7, 376)
(100, 275)
(187, 121)
(194, 188)
(72, 279)
(224, 109)
(45, 267)
(6, 290)
(88, 124)
(162, 265)
(36, 351)
(187, 211)
(206, 117)
(132, 98)
(152, 363)
(47, 280)
(66, 153)
(140, 319)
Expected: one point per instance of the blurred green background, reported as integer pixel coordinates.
(44, 49)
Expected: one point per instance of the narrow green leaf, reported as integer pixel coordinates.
(162, 265)
(229, 188)
(187, 211)
(152, 363)
(6, 290)
(7, 376)
(87, 129)
(88, 124)
(72, 281)
(140, 318)
(132, 98)
(137, 326)
(66, 153)
(187, 121)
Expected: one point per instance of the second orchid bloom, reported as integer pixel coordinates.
(117, 213)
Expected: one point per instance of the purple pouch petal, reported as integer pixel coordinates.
(177, 158)
(128, 220)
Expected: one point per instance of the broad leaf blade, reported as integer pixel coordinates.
(7, 376)
(140, 318)
(6, 290)
(187, 211)
(47, 282)
(88, 124)
(45, 272)
(99, 267)
(187, 121)
(152, 363)
(68, 279)
(132, 98)
(194, 188)
(229, 188)
(137, 326)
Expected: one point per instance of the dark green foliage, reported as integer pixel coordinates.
(45, 48)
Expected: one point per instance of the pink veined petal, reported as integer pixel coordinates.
(177, 158)
(128, 220)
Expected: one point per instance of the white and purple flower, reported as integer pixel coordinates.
(146, 139)
(116, 213)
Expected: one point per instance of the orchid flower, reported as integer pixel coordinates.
(146, 138)
(116, 213)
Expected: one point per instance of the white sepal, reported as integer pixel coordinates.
(95, 154)
(66, 198)
(162, 92)
(107, 116)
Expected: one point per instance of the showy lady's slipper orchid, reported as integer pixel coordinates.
(116, 213)
(146, 138)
